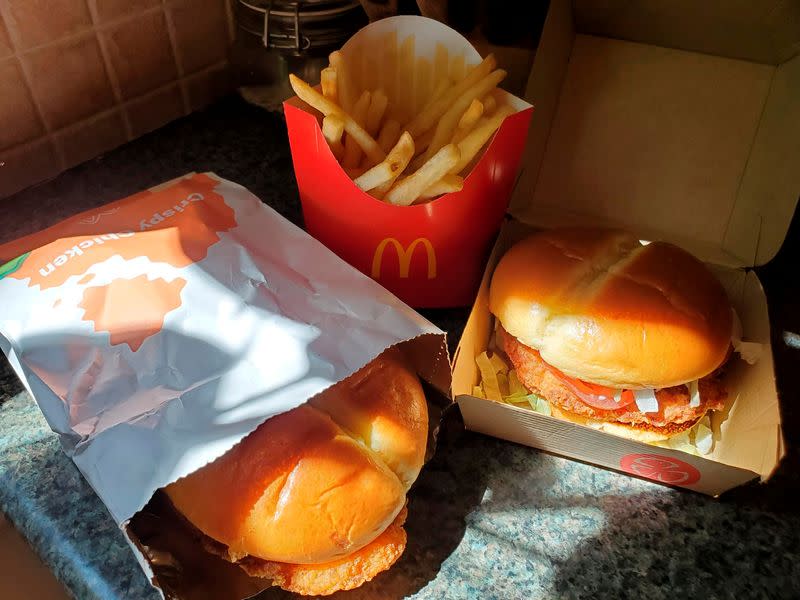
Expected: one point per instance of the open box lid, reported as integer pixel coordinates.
(677, 121)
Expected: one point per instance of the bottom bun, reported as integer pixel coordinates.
(642, 432)
(328, 578)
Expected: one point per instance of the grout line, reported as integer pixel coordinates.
(49, 136)
(110, 72)
(206, 70)
(109, 111)
(90, 120)
(13, 36)
(173, 43)
(151, 93)
(25, 146)
(96, 27)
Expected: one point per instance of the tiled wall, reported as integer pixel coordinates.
(79, 77)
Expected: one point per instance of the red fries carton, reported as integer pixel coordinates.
(431, 254)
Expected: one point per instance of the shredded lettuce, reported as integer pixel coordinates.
(489, 382)
(699, 440)
(500, 383)
(514, 385)
(703, 436)
(539, 404)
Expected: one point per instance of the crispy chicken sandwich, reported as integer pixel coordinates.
(613, 333)
(314, 499)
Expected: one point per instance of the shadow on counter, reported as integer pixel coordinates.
(445, 493)
(746, 544)
(683, 545)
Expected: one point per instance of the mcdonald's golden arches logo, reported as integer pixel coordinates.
(404, 256)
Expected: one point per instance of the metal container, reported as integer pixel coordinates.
(275, 38)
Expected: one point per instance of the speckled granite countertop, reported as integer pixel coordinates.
(488, 519)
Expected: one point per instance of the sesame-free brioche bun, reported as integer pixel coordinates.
(321, 481)
(602, 307)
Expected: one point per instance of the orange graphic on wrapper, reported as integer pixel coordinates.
(176, 225)
(404, 256)
(131, 310)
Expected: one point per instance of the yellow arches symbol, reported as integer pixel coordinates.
(404, 256)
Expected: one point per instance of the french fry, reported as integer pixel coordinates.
(457, 68)
(344, 86)
(332, 130)
(352, 151)
(423, 141)
(471, 115)
(319, 102)
(388, 75)
(468, 120)
(475, 139)
(380, 191)
(423, 84)
(388, 170)
(404, 93)
(354, 172)
(410, 188)
(377, 107)
(449, 121)
(329, 82)
(417, 163)
(389, 134)
(446, 185)
(489, 104)
(427, 118)
(369, 72)
(439, 89)
(441, 63)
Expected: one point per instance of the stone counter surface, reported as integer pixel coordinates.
(487, 518)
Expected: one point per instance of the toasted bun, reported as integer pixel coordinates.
(342, 574)
(602, 307)
(640, 432)
(321, 481)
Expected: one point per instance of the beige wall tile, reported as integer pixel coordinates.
(207, 86)
(141, 54)
(108, 10)
(79, 77)
(40, 21)
(154, 110)
(201, 32)
(88, 139)
(5, 41)
(69, 80)
(26, 165)
(17, 113)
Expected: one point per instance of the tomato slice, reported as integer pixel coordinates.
(596, 396)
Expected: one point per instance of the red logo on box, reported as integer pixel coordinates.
(660, 468)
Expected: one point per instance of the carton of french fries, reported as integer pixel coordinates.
(405, 157)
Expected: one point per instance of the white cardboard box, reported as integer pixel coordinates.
(681, 122)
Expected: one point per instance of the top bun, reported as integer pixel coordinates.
(602, 307)
(321, 481)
